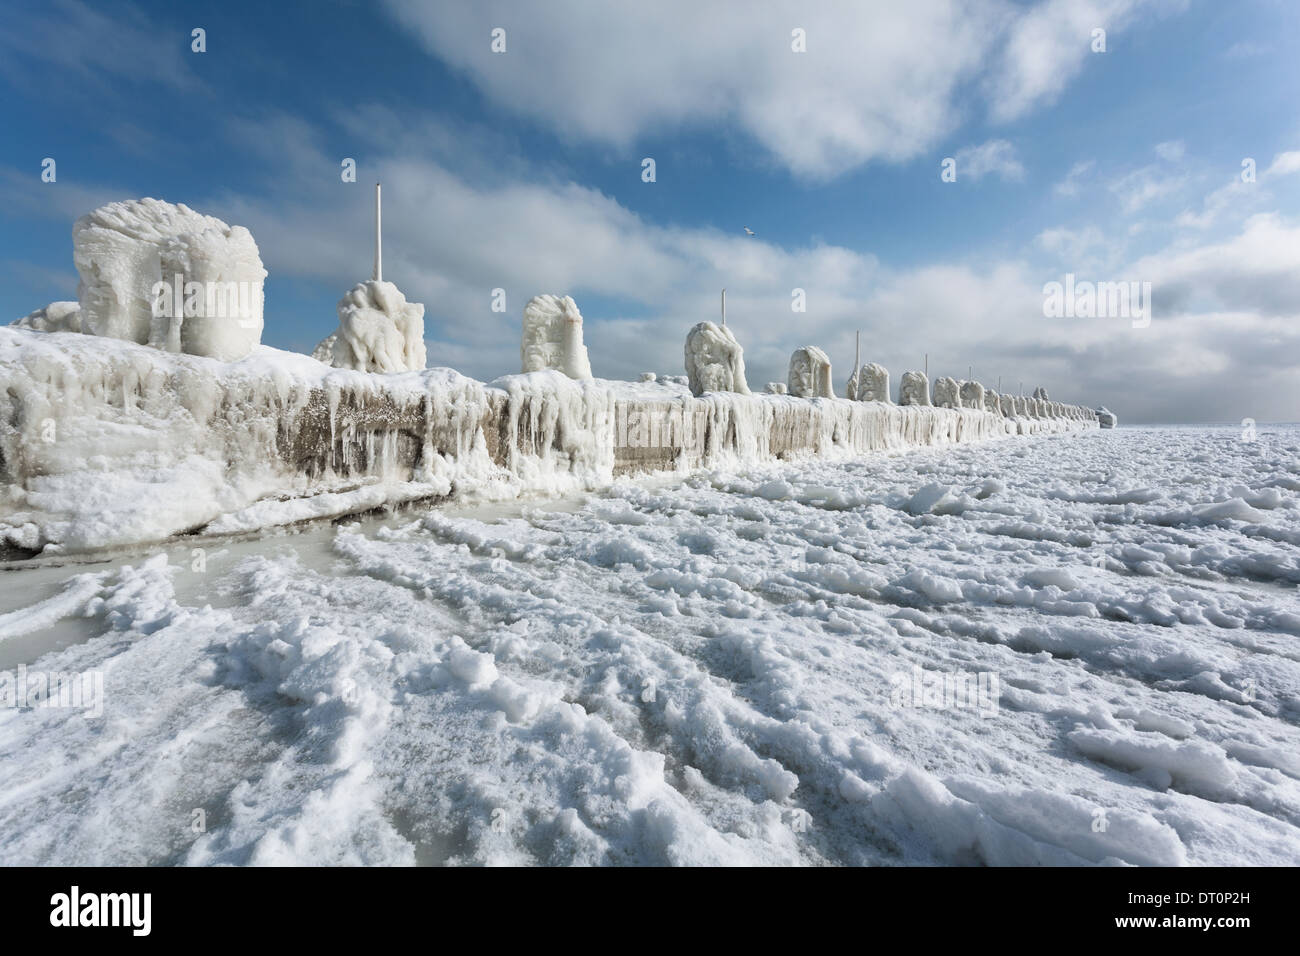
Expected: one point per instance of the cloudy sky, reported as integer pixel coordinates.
(523, 170)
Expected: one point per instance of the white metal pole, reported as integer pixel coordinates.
(379, 238)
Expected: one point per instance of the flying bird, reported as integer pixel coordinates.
(749, 232)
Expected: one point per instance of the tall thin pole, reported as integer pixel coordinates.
(927, 365)
(857, 353)
(970, 373)
(999, 384)
(724, 308)
(379, 238)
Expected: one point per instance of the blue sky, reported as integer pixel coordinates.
(522, 170)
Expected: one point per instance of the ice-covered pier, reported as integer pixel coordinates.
(138, 413)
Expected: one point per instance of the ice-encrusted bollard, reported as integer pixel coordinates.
(379, 331)
(914, 389)
(946, 392)
(992, 402)
(810, 373)
(553, 337)
(972, 395)
(776, 388)
(126, 252)
(873, 383)
(1007, 404)
(715, 362)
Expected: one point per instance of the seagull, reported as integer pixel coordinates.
(749, 232)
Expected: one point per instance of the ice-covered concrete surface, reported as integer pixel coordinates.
(706, 672)
(106, 443)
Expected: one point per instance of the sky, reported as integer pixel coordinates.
(825, 128)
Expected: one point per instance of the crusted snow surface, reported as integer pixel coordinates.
(1049, 651)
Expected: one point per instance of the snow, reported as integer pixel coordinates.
(947, 393)
(123, 250)
(700, 670)
(810, 373)
(105, 443)
(873, 384)
(972, 395)
(914, 389)
(715, 362)
(324, 350)
(552, 337)
(55, 317)
(379, 331)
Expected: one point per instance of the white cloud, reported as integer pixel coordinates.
(1070, 185)
(1171, 151)
(1046, 47)
(1145, 185)
(995, 156)
(879, 81)
(1071, 244)
(1227, 319)
(1284, 164)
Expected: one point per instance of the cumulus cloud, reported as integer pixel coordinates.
(877, 80)
(996, 156)
(1073, 181)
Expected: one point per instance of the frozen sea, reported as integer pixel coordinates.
(1076, 649)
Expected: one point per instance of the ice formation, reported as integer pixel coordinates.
(379, 331)
(715, 362)
(55, 317)
(992, 402)
(872, 382)
(810, 373)
(123, 252)
(324, 350)
(946, 392)
(914, 389)
(1040, 392)
(972, 395)
(501, 660)
(1106, 418)
(552, 337)
(776, 388)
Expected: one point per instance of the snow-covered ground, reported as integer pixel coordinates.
(747, 668)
